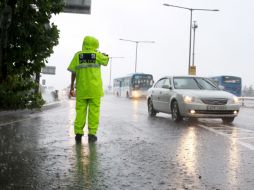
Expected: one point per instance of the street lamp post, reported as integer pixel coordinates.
(110, 69)
(191, 10)
(195, 26)
(137, 42)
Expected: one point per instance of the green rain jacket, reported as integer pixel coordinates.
(86, 66)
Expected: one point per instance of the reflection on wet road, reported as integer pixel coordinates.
(134, 151)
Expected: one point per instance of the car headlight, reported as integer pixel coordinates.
(191, 99)
(236, 100)
(135, 94)
(233, 100)
(188, 99)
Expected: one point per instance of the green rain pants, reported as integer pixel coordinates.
(92, 107)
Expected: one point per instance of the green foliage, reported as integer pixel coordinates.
(17, 93)
(31, 38)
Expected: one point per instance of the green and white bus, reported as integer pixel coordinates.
(133, 85)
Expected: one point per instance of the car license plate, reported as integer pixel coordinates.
(212, 107)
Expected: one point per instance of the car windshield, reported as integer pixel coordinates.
(193, 83)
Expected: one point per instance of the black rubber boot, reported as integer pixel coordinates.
(92, 138)
(78, 138)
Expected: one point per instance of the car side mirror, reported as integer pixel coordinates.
(166, 86)
(221, 87)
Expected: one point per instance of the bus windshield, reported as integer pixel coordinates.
(142, 81)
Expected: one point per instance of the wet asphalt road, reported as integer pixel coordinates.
(133, 152)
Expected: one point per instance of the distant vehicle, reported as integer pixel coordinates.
(133, 85)
(191, 96)
(232, 84)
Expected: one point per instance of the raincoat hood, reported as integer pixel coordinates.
(90, 43)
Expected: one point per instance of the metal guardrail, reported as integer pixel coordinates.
(247, 101)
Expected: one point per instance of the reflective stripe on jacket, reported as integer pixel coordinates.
(86, 66)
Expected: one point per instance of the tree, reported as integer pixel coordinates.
(25, 46)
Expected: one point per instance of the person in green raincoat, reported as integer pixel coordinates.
(86, 70)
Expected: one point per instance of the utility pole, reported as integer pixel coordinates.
(195, 26)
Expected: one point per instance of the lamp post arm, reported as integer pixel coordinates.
(190, 9)
(127, 40)
(205, 9)
(168, 5)
(146, 41)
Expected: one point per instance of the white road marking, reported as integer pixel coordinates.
(16, 121)
(247, 130)
(34, 115)
(242, 138)
(246, 145)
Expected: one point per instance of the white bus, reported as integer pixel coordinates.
(133, 85)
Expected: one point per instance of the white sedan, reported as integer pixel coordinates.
(191, 96)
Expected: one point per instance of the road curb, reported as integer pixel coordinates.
(28, 111)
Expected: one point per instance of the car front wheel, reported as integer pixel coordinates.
(176, 116)
(228, 119)
(151, 110)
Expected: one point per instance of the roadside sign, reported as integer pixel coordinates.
(192, 70)
(77, 6)
(49, 70)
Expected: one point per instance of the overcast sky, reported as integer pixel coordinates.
(224, 39)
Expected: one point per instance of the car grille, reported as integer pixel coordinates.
(215, 101)
(214, 112)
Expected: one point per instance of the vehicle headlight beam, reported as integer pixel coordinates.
(236, 100)
(188, 99)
